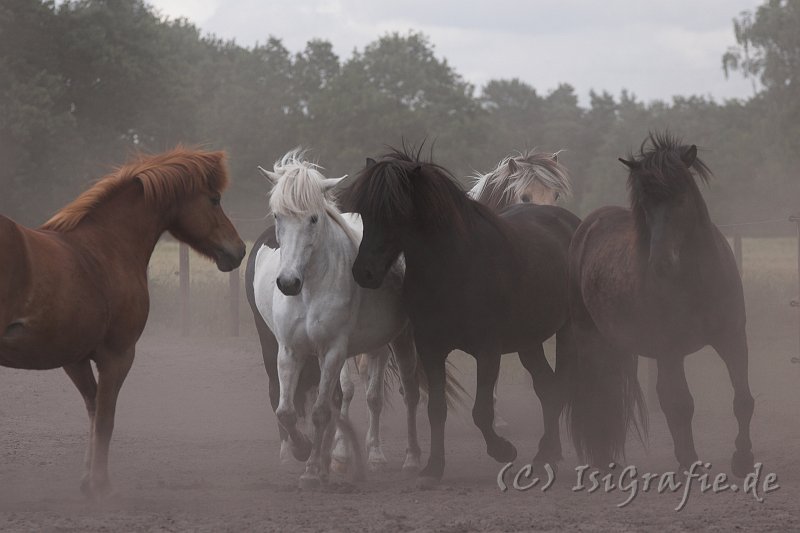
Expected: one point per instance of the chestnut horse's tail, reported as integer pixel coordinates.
(605, 400)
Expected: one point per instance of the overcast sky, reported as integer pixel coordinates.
(656, 49)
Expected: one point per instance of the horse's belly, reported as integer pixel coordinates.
(30, 344)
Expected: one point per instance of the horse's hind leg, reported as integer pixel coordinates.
(483, 411)
(678, 406)
(733, 352)
(341, 454)
(405, 355)
(82, 376)
(551, 392)
(377, 362)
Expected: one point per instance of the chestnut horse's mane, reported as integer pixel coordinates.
(165, 177)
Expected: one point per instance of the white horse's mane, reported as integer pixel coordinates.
(299, 191)
(500, 186)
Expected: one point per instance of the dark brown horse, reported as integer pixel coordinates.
(657, 280)
(75, 290)
(485, 283)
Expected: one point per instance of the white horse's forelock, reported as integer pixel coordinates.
(501, 185)
(299, 191)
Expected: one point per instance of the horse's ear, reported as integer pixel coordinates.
(512, 166)
(271, 176)
(330, 184)
(370, 162)
(688, 157)
(633, 165)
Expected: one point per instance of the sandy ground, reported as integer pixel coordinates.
(196, 449)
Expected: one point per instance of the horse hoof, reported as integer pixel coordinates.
(411, 466)
(376, 466)
(302, 449)
(339, 466)
(503, 452)
(742, 463)
(309, 482)
(427, 482)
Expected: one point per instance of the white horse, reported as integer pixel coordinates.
(528, 177)
(306, 293)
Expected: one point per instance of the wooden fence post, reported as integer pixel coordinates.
(234, 302)
(796, 303)
(183, 267)
(737, 251)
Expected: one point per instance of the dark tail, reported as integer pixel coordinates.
(605, 399)
(359, 461)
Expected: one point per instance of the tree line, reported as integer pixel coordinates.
(85, 82)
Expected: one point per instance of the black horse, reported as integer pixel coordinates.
(657, 280)
(482, 282)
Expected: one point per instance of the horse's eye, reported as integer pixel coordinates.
(215, 200)
(526, 199)
(314, 219)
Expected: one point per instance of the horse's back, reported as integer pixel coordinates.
(543, 221)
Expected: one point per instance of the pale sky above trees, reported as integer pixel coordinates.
(654, 49)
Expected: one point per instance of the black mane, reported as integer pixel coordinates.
(659, 172)
(401, 186)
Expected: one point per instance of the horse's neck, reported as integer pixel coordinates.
(124, 228)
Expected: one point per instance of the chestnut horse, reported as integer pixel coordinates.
(657, 280)
(482, 282)
(75, 290)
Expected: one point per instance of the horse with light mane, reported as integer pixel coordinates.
(528, 177)
(75, 290)
(310, 302)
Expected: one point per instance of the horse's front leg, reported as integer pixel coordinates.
(290, 364)
(331, 363)
(112, 368)
(406, 356)
(341, 454)
(377, 362)
(497, 447)
(82, 376)
(733, 350)
(433, 361)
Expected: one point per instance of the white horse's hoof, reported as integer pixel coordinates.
(309, 482)
(376, 466)
(411, 467)
(339, 465)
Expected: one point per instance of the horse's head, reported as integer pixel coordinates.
(199, 219)
(666, 201)
(403, 202)
(300, 205)
(530, 177)
(382, 195)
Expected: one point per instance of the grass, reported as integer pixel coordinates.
(769, 276)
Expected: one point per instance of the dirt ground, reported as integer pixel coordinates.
(196, 448)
